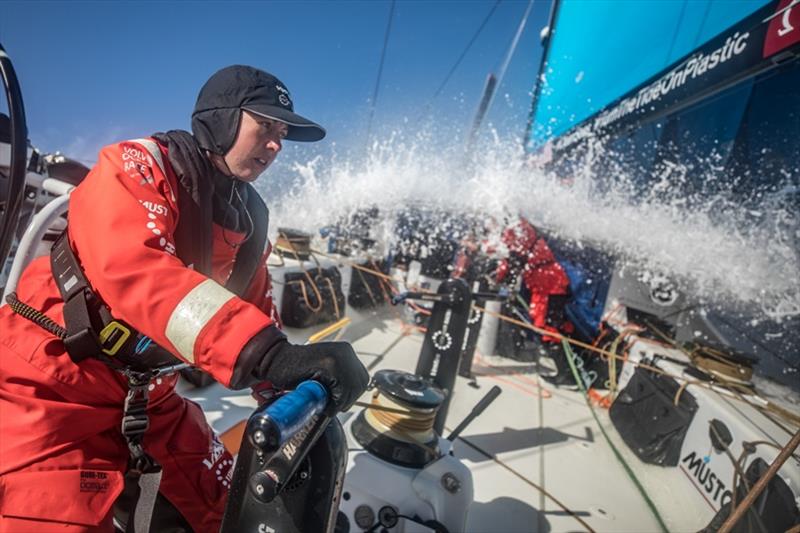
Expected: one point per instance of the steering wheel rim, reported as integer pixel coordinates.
(13, 193)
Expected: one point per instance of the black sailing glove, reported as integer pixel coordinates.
(334, 364)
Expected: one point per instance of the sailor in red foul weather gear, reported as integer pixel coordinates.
(541, 273)
(171, 239)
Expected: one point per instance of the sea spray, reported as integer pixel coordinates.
(722, 253)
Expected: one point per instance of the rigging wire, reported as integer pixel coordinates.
(494, 82)
(380, 72)
(512, 48)
(461, 57)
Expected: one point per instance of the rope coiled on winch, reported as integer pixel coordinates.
(406, 422)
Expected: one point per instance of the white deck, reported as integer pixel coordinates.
(550, 440)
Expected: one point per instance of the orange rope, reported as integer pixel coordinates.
(592, 348)
(730, 387)
(545, 393)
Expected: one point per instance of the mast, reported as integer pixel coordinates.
(546, 37)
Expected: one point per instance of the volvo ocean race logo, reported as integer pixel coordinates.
(137, 163)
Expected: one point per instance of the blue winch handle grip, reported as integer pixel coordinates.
(290, 413)
(399, 298)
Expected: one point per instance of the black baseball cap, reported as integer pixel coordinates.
(216, 115)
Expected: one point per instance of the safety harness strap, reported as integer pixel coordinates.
(80, 340)
(142, 514)
(84, 316)
(143, 465)
(91, 330)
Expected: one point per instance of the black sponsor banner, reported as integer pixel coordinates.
(769, 36)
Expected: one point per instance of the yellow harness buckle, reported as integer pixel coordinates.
(115, 334)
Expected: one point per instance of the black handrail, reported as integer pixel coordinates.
(12, 195)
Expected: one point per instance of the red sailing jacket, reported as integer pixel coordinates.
(121, 224)
(541, 272)
(60, 420)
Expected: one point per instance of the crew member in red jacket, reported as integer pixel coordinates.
(171, 238)
(543, 276)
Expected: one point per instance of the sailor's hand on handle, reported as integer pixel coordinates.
(334, 364)
(287, 415)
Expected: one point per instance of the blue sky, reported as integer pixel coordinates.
(97, 72)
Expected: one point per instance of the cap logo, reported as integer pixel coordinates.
(283, 97)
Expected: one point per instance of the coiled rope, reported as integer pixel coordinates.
(405, 421)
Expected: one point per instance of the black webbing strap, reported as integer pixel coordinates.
(91, 331)
(84, 314)
(143, 467)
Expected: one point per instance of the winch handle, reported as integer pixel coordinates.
(501, 294)
(424, 296)
(279, 439)
(284, 417)
(479, 408)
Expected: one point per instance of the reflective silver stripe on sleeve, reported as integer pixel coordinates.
(193, 313)
(153, 150)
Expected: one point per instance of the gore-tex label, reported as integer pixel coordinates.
(94, 481)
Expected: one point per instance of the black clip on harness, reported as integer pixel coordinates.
(134, 415)
(143, 467)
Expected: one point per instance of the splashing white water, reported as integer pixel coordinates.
(717, 250)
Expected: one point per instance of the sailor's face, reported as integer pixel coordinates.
(256, 146)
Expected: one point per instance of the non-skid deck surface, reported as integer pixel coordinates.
(530, 436)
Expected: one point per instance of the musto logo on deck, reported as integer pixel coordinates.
(699, 468)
